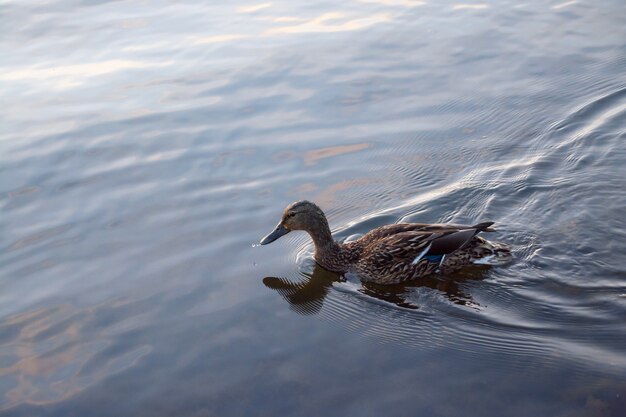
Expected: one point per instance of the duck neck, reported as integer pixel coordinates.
(327, 251)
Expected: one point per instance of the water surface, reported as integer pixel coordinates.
(146, 146)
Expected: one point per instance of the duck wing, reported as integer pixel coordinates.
(398, 228)
(412, 246)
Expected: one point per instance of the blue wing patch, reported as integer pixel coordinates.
(434, 258)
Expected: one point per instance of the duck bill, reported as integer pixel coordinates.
(278, 232)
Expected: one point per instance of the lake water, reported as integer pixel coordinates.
(145, 147)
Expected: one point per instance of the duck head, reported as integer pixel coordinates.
(301, 215)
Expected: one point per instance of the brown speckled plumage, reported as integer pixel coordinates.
(393, 253)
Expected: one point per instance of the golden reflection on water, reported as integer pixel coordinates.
(305, 189)
(470, 6)
(312, 157)
(253, 8)
(45, 361)
(332, 22)
(76, 74)
(564, 5)
(329, 195)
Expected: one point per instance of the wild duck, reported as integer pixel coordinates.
(394, 253)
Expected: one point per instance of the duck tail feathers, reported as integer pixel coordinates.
(484, 227)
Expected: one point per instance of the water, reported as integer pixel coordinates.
(145, 147)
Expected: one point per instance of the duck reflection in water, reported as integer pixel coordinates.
(307, 296)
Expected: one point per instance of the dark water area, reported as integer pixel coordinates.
(146, 147)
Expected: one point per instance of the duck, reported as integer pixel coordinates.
(393, 253)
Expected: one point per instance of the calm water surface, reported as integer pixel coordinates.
(146, 146)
